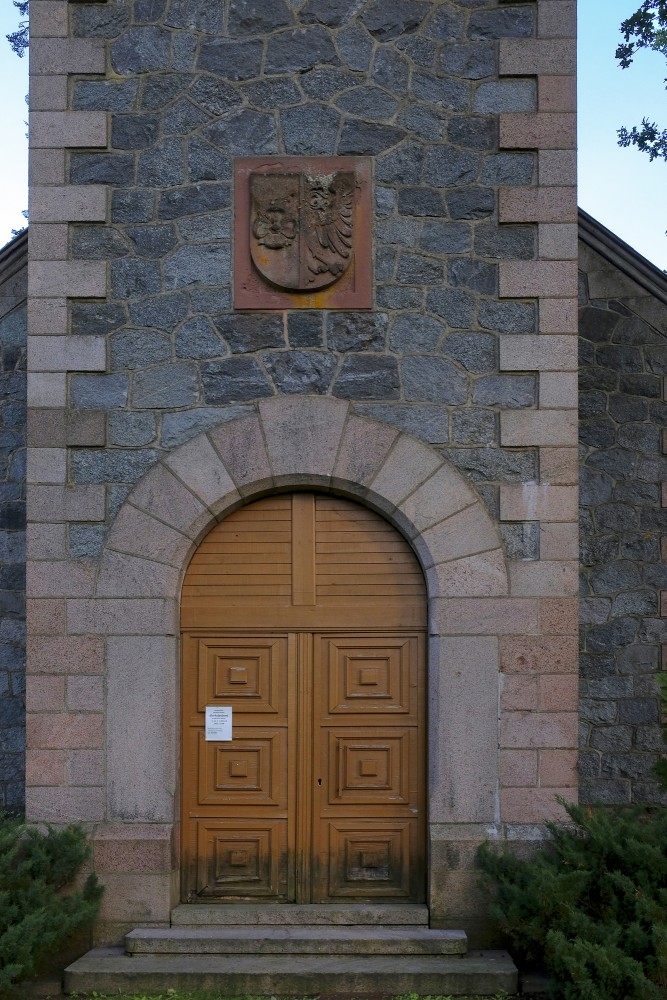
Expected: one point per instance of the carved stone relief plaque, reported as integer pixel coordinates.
(302, 233)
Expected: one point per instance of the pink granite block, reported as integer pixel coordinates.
(535, 353)
(45, 616)
(67, 55)
(558, 768)
(51, 129)
(66, 503)
(557, 167)
(63, 731)
(559, 541)
(69, 203)
(484, 616)
(483, 575)
(363, 449)
(534, 730)
(551, 204)
(519, 693)
(141, 847)
(79, 354)
(198, 465)
(559, 466)
(559, 615)
(45, 693)
(443, 494)
(48, 19)
(542, 578)
(123, 575)
(47, 166)
(45, 768)
(538, 130)
(557, 19)
(559, 389)
(546, 428)
(240, 444)
(559, 693)
(302, 434)
(64, 805)
(61, 578)
(47, 317)
(138, 533)
(409, 464)
(85, 693)
(122, 616)
(539, 654)
(465, 533)
(535, 502)
(85, 767)
(518, 768)
(559, 315)
(557, 93)
(161, 495)
(534, 805)
(64, 654)
(534, 56)
(532, 278)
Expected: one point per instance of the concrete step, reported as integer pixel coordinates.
(296, 941)
(109, 970)
(276, 914)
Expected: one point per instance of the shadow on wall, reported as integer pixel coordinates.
(13, 281)
(623, 363)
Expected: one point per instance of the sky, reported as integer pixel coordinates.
(619, 187)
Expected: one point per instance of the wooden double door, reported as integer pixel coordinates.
(319, 795)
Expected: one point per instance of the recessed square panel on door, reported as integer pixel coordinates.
(248, 674)
(369, 676)
(239, 859)
(369, 858)
(371, 770)
(245, 772)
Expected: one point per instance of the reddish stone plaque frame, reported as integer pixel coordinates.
(302, 232)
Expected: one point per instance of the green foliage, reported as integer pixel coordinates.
(36, 916)
(645, 29)
(217, 995)
(19, 39)
(592, 906)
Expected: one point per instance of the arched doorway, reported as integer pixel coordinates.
(306, 614)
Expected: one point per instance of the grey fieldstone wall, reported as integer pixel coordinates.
(623, 340)
(413, 84)
(13, 287)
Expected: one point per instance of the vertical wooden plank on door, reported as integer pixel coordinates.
(293, 831)
(304, 770)
(303, 548)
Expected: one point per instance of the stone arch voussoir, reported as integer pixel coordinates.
(292, 442)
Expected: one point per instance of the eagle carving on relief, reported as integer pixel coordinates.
(302, 227)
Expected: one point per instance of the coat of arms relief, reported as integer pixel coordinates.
(302, 227)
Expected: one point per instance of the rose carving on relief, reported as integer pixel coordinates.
(275, 228)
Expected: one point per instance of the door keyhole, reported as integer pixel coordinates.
(319, 781)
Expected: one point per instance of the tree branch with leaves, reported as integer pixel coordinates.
(645, 29)
(19, 39)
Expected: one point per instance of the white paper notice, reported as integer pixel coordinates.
(218, 723)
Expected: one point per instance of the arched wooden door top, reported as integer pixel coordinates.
(304, 560)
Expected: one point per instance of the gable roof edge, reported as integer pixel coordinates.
(621, 255)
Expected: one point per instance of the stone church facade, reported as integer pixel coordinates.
(441, 395)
